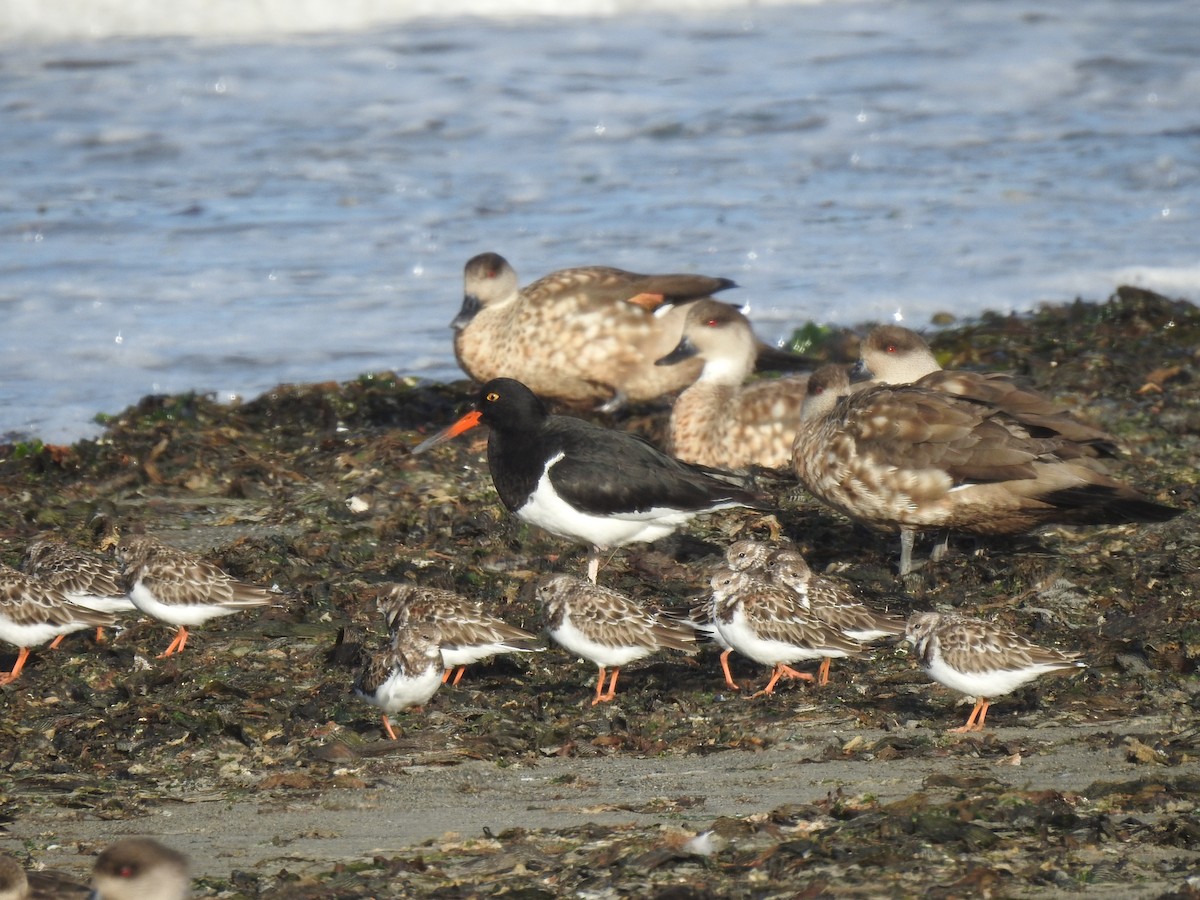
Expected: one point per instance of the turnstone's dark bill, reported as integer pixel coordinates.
(979, 659)
(582, 335)
(181, 589)
(606, 627)
(583, 482)
(404, 675)
(466, 633)
(85, 579)
(892, 354)
(32, 612)
(832, 601)
(140, 869)
(721, 420)
(766, 623)
(909, 459)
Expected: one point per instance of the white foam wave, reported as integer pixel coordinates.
(66, 20)
(1175, 281)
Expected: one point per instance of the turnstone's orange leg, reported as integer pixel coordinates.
(54, 643)
(789, 672)
(387, 726)
(975, 720)
(599, 688)
(725, 667)
(458, 675)
(446, 675)
(177, 645)
(612, 686)
(601, 695)
(770, 688)
(10, 677)
(781, 671)
(99, 634)
(823, 672)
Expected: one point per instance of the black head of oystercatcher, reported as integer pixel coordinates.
(584, 482)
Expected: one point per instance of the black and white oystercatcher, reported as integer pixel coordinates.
(580, 481)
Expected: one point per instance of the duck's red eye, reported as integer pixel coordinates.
(126, 872)
(712, 323)
(892, 348)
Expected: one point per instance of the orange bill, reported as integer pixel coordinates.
(466, 423)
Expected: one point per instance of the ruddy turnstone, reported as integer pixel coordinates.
(180, 589)
(767, 623)
(466, 634)
(606, 627)
(583, 482)
(582, 335)
(744, 556)
(140, 869)
(979, 659)
(405, 674)
(32, 612)
(749, 555)
(891, 354)
(86, 579)
(908, 459)
(721, 420)
(832, 601)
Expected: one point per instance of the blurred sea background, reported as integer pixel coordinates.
(220, 196)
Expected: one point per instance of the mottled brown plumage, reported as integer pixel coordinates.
(585, 335)
(892, 354)
(405, 674)
(176, 587)
(769, 624)
(980, 659)
(721, 419)
(744, 555)
(606, 627)
(465, 632)
(832, 601)
(908, 458)
(33, 612)
(85, 578)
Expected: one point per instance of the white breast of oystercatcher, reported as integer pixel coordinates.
(581, 481)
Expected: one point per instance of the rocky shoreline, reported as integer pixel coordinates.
(250, 754)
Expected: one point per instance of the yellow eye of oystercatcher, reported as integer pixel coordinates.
(492, 397)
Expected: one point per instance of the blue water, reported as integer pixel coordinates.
(201, 212)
